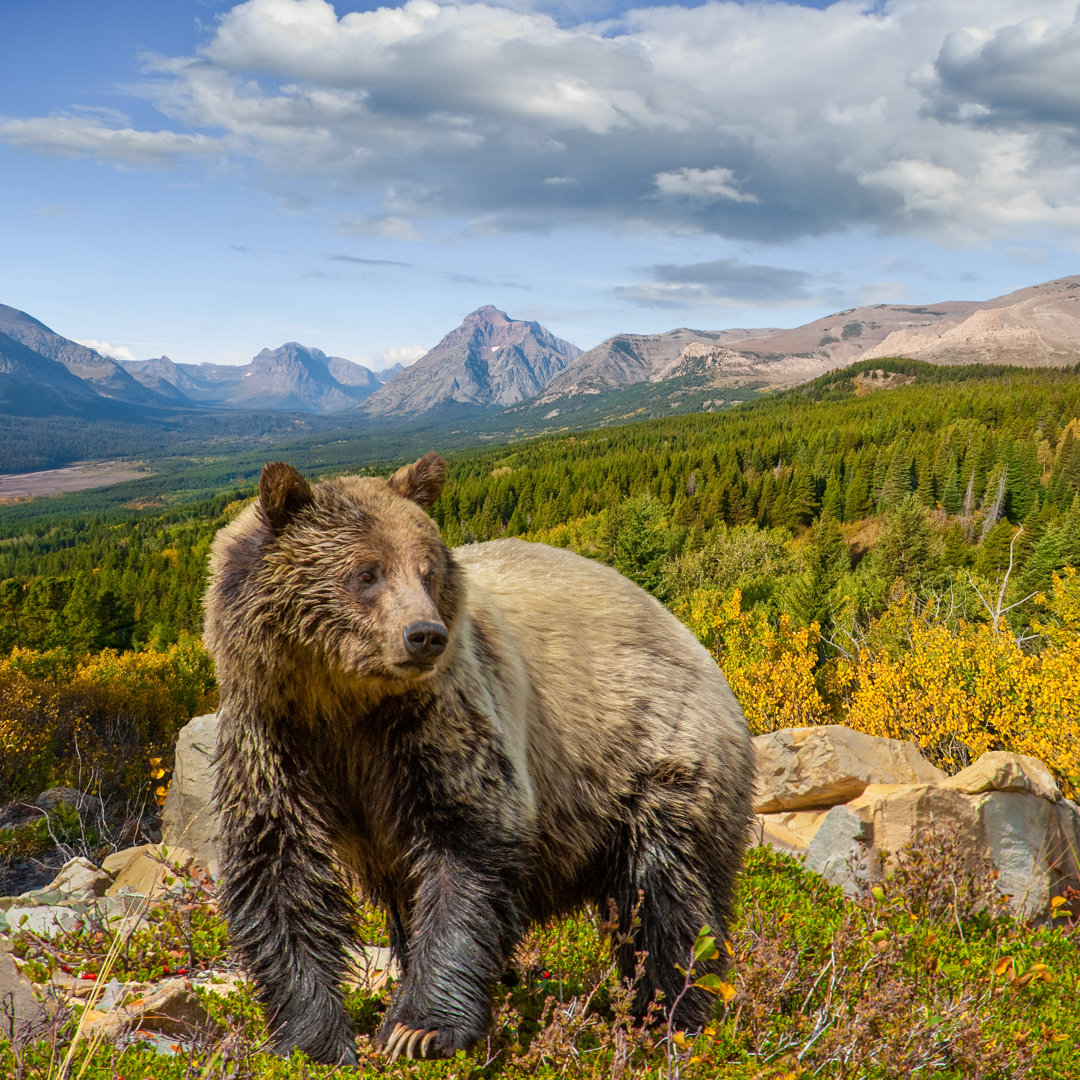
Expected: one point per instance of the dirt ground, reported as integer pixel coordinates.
(91, 474)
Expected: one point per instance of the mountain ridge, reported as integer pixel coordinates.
(491, 361)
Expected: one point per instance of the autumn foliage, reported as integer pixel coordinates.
(97, 723)
(955, 690)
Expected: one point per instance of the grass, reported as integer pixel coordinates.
(923, 975)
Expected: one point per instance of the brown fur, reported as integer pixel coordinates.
(573, 743)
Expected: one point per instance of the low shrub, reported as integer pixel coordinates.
(902, 981)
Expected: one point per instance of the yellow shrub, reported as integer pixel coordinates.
(97, 725)
(770, 668)
(956, 692)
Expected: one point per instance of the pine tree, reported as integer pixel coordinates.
(827, 561)
(641, 543)
(907, 547)
(951, 500)
(857, 503)
(832, 502)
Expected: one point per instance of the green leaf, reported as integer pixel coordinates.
(705, 945)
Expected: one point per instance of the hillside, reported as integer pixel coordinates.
(1032, 327)
(727, 358)
(102, 375)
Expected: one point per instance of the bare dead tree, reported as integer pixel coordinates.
(999, 609)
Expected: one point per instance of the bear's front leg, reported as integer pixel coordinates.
(464, 926)
(290, 918)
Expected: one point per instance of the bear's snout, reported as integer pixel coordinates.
(425, 640)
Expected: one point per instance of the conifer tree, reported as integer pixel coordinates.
(907, 547)
(641, 542)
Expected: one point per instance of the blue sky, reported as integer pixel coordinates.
(204, 178)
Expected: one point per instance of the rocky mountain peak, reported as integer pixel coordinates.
(489, 359)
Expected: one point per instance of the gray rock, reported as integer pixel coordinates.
(45, 919)
(189, 818)
(1017, 832)
(89, 807)
(840, 850)
(22, 1014)
(1065, 847)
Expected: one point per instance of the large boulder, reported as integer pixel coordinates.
(845, 802)
(840, 850)
(189, 818)
(815, 768)
(1016, 830)
(998, 770)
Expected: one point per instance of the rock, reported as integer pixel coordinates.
(22, 1014)
(765, 829)
(998, 770)
(1065, 848)
(1017, 829)
(88, 807)
(45, 920)
(903, 813)
(189, 817)
(815, 768)
(140, 870)
(169, 1009)
(840, 850)
(80, 879)
(801, 823)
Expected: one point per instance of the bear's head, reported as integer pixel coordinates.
(354, 574)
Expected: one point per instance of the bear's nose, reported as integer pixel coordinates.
(425, 640)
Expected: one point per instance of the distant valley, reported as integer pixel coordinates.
(492, 370)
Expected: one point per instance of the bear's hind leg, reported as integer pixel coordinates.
(672, 878)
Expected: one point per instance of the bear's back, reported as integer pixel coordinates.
(598, 649)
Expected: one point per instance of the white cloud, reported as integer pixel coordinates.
(701, 185)
(402, 354)
(758, 121)
(114, 352)
(72, 135)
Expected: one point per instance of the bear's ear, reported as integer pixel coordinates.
(421, 481)
(283, 493)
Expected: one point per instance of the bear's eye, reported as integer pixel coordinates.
(365, 576)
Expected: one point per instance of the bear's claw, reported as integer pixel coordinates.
(406, 1040)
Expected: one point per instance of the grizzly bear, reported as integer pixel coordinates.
(479, 739)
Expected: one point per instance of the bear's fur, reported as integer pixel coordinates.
(479, 738)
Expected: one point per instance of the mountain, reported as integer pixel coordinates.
(489, 360)
(293, 377)
(770, 357)
(1032, 327)
(33, 385)
(105, 376)
(627, 359)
